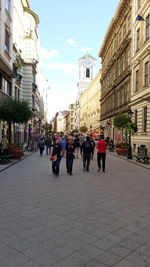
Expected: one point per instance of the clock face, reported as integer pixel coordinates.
(87, 62)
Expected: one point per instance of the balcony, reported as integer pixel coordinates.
(34, 87)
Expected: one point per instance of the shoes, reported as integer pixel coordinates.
(71, 173)
(84, 169)
(87, 170)
(103, 171)
(98, 170)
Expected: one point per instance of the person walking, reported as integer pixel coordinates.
(70, 149)
(93, 146)
(63, 144)
(4, 144)
(86, 153)
(55, 156)
(101, 154)
(41, 146)
(77, 145)
(48, 143)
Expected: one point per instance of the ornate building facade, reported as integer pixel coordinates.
(116, 69)
(140, 93)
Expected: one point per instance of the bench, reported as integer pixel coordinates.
(142, 154)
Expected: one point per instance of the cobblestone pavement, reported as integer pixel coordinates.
(88, 219)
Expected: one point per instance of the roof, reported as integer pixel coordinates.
(87, 56)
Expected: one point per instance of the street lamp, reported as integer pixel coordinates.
(90, 129)
(39, 121)
(129, 155)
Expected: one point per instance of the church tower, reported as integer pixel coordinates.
(86, 75)
(86, 69)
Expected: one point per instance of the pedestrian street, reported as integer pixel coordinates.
(90, 219)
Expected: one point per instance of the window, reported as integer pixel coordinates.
(138, 39)
(7, 5)
(87, 73)
(136, 80)
(135, 117)
(124, 31)
(147, 22)
(7, 42)
(146, 74)
(17, 93)
(138, 4)
(145, 119)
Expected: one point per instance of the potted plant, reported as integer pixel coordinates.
(122, 121)
(122, 149)
(16, 150)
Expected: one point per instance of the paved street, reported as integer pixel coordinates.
(88, 219)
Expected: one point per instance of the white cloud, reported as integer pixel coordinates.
(45, 54)
(85, 49)
(66, 67)
(72, 42)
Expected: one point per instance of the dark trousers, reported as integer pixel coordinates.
(86, 161)
(101, 157)
(69, 163)
(41, 151)
(55, 165)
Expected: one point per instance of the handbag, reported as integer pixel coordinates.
(53, 158)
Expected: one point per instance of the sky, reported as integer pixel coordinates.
(68, 30)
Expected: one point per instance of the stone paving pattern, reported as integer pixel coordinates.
(88, 219)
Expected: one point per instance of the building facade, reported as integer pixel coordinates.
(86, 74)
(116, 69)
(26, 59)
(90, 105)
(140, 93)
(6, 54)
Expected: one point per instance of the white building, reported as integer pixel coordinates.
(86, 74)
(26, 59)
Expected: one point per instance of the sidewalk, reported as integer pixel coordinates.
(14, 161)
(146, 166)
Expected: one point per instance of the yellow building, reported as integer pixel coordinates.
(116, 69)
(140, 93)
(90, 105)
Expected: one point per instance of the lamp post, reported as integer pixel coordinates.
(90, 129)
(129, 155)
(39, 121)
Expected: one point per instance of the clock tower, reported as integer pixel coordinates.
(86, 69)
(86, 74)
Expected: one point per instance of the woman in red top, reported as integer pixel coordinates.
(101, 153)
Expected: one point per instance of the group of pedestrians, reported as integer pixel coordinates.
(70, 148)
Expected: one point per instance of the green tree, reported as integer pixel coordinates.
(83, 129)
(15, 111)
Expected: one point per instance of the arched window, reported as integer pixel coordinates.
(87, 73)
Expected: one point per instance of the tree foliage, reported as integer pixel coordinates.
(121, 120)
(83, 129)
(15, 111)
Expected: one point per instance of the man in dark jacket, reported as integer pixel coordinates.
(86, 152)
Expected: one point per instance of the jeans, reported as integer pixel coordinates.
(101, 157)
(55, 166)
(48, 149)
(86, 161)
(69, 163)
